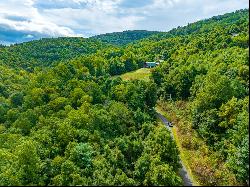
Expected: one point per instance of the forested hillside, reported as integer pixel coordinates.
(44, 52)
(67, 127)
(50, 51)
(235, 22)
(210, 70)
(125, 37)
(66, 120)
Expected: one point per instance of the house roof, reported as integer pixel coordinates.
(151, 63)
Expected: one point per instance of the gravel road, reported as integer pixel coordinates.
(182, 172)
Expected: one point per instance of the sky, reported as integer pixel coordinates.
(24, 20)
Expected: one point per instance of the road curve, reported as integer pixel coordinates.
(182, 172)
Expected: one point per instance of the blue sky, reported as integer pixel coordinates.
(24, 20)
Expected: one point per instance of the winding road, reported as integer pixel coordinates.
(182, 172)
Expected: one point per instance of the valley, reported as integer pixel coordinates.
(87, 111)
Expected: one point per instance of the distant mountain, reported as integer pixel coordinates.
(45, 51)
(125, 37)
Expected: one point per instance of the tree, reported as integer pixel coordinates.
(16, 99)
(28, 163)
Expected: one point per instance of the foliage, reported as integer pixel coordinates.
(62, 127)
(125, 37)
(46, 51)
(208, 67)
(64, 120)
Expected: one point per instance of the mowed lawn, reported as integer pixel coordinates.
(140, 74)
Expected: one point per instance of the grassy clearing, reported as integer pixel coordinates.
(140, 74)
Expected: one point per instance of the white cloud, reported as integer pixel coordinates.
(92, 19)
(167, 14)
(35, 21)
(29, 36)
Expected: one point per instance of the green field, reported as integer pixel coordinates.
(140, 74)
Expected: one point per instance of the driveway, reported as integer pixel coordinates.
(182, 172)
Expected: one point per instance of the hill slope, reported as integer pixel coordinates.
(205, 70)
(43, 52)
(235, 20)
(71, 123)
(125, 37)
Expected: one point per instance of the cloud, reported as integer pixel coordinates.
(25, 18)
(167, 14)
(59, 4)
(10, 36)
(135, 3)
(20, 20)
(16, 18)
(93, 20)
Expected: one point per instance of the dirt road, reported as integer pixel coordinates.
(182, 172)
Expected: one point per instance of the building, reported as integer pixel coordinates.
(235, 34)
(150, 64)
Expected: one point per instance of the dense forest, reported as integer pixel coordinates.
(125, 37)
(46, 51)
(66, 120)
